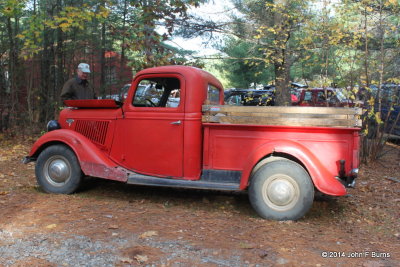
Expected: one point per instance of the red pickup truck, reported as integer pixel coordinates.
(165, 139)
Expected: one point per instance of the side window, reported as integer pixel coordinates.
(174, 98)
(332, 98)
(212, 95)
(158, 92)
(234, 100)
(307, 96)
(321, 97)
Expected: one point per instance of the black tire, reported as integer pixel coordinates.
(58, 170)
(281, 190)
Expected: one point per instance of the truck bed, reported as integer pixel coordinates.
(236, 138)
(284, 116)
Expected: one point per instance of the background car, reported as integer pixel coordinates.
(249, 97)
(321, 97)
(121, 96)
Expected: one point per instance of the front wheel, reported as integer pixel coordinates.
(58, 170)
(281, 190)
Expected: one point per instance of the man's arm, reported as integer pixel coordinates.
(67, 92)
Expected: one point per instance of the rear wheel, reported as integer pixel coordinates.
(58, 170)
(281, 190)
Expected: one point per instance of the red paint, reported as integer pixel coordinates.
(91, 103)
(111, 142)
(93, 161)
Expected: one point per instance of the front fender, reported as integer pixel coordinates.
(92, 160)
(323, 179)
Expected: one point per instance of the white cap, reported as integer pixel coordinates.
(84, 67)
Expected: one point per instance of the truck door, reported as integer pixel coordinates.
(153, 124)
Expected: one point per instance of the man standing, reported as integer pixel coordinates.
(78, 87)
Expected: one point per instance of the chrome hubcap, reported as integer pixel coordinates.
(280, 192)
(57, 170)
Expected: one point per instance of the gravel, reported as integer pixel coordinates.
(66, 250)
(56, 249)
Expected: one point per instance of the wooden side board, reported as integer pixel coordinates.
(289, 116)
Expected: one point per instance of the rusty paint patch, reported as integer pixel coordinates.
(103, 171)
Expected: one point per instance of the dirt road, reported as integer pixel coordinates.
(113, 224)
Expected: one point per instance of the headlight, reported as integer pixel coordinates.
(53, 125)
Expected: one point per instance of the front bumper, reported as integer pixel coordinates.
(350, 180)
(27, 159)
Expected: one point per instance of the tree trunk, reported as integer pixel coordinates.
(281, 55)
(60, 63)
(47, 90)
(123, 48)
(102, 57)
(366, 48)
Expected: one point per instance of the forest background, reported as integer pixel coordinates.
(351, 44)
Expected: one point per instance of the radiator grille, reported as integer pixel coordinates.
(94, 130)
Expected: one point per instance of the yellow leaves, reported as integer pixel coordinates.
(394, 3)
(378, 118)
(75, 17)
(103, 13)
(369, 9)
(263, 31)
(64, 26)
(12, 7)
(141, 258)
(148, 234)
(307, 40)
(51, 226)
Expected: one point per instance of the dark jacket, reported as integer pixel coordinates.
(76, 88)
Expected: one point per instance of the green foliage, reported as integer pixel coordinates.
(242, 70)
(143, 36)
(76, 17)
(12, 8)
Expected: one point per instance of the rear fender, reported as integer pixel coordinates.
(323, 179)
(92, 160)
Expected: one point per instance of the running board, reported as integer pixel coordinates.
(138, 179)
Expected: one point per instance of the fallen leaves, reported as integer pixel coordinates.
(141, 258)
(51, 226)
(247, 246)
(148, 234)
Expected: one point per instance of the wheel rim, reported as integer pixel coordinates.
(57, 170)
(280, 192)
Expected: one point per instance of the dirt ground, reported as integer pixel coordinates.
(113, 224)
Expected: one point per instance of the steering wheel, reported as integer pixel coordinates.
(151, 102)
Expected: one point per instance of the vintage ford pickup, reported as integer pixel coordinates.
(179, 134)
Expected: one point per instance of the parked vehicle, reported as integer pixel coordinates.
(279, 157)
(390, 107)
(120, 96)
(123, 93)
(320, 97)
(249, 97)
(258, 97)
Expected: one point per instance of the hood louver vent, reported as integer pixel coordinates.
(94, 130)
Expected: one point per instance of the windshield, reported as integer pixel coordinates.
(340, 95)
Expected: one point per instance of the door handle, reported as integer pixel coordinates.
(176, 122)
